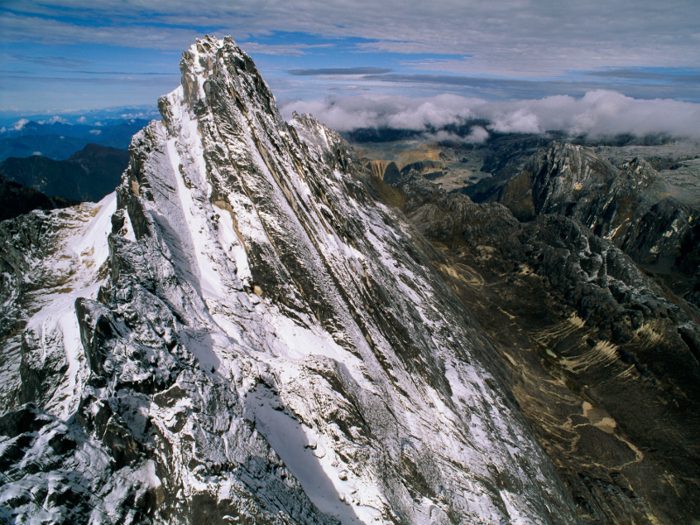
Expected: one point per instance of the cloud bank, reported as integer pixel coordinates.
(598, 113)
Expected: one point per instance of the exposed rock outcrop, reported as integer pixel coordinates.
(271, 345)
(630, 206)
(603, 358)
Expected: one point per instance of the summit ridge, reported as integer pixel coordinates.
(264, 342)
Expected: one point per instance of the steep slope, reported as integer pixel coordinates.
(47, 260)
(604, 361)
(271, 345)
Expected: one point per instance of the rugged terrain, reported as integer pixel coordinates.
(644, 198)
(87, 175)
(651, 216)
(603, 356)
(243, 333)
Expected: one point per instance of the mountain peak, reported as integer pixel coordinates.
(271, 343)
(211, 64)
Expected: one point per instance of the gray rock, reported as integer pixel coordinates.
(265, 326)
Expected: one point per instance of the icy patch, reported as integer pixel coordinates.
(76, 266)
(209, 277)
(308, 455)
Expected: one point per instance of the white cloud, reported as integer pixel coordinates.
(96, 131)
(53, 120)
(477, 135)
(20, 124)
(385, 111)
(598, 113)
(521, 120)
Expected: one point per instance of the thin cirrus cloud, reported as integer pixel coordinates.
(49, 61)
(508, 34)
(339, 71)
(679, 77)
(500, 88)
(19, 28)
(280, 50)
(497, 52)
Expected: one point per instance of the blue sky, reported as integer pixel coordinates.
(59, 57)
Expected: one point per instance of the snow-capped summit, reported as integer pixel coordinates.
(270, 344)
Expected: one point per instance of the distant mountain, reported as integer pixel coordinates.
(632, 205)
(54, 147)
(117, 129)
(59, 141)
(16, 199)
(364, 135)
(87, 175)
(389, 134)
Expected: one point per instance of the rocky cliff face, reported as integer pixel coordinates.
(604, 358)
(247, 336)
(632, 205)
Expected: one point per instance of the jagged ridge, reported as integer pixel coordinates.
(272, 345)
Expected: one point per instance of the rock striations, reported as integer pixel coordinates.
(266, 343)
(604, 357)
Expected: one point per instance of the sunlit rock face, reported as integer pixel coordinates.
(603, 356)
(271, 345)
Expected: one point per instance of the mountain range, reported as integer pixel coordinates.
(265, 325)
(87, 175)
(58, 141)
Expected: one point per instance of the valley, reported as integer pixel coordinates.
(598, 354)
(265, 323)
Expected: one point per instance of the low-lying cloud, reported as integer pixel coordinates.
(20, 124)
(598, 113)
(54, 120)
(476, 135)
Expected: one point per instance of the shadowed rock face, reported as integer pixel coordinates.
(16, 199)
(271, 345)
(88, 175)
(631, 206)
(603, 359)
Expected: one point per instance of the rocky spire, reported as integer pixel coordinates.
(271, 345)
